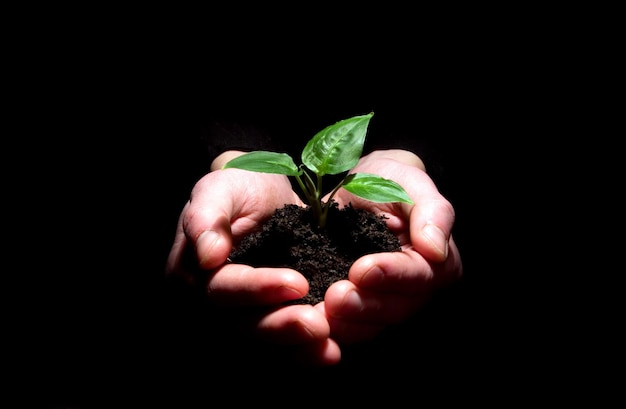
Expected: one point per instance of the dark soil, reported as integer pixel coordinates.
(291, 239)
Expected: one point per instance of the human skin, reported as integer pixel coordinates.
(382, 289)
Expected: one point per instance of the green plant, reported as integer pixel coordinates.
(334, 150)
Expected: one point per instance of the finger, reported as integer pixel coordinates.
(285, 336)
(228, 204)
(405, 272)
(205, 221)
(317, 354)
(431, 217)
(242, 285)
(345, 301)
(348, 332)
(293, 325)
(431, 224)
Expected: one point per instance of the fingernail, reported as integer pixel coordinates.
(436, 236)
(206, 242)
(373, 276)
(352, 302)
(288, 293)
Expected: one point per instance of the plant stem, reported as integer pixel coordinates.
(326, 206)
(312, 194)
(332, 194)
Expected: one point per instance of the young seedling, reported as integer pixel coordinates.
(334, 150)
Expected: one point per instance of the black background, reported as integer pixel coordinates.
(121, 141)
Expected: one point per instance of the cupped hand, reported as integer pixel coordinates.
(224, 206)
(386, 288)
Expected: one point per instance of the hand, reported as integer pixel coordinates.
(224, 206)
(386, 288)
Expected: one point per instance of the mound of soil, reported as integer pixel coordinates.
(291, 239)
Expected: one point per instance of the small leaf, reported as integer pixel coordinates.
(375, 188)
(265, 162)
(337, 148)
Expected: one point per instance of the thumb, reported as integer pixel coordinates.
(431, 225)
(214, 244)
(208, 250)
(206, 221)
(210, 236)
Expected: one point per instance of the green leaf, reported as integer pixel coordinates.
(375, 188)
(265, 162)
(337, 148)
